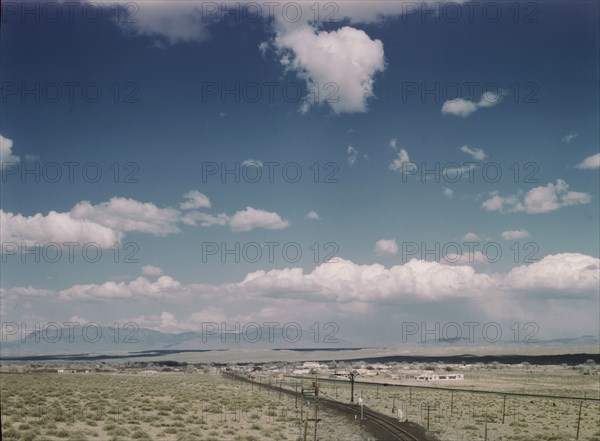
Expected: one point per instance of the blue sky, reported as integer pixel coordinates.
(508, 93)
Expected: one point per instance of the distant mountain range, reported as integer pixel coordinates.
(104, 340)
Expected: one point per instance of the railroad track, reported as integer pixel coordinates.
(388, 424)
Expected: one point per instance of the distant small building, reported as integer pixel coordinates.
(427, 376)
(430, 376)
(452, 377)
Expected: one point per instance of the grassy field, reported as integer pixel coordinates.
(178, 406)
(164, 406)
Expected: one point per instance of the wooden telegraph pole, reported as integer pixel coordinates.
(303, 418)
(351, 376)
(485, 430)
(428, 416)
(579, 419)
(316, 408)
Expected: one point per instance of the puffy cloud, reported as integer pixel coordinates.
(459, 107)
(515, 234)
(497, 202)
(569, 137)
(163, 322)
(538, 200)
(55, 227)
(478, 154)
(470, 237)
(590, 163)
(352, 155)
(124, 214)
(313, 215)
(195, 199)
(107, 222)
(346, 58)
(168, 23)
(150, 270)
(386, 247)
(347, 281)
(6, 154)
(251, 218)
(396, 164)
(448, 192)
(569, 272)
(462, 107)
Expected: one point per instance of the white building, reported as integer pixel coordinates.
(430, 376)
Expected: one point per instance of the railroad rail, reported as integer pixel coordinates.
(389, 425)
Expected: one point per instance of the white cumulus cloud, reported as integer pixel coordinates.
(252, 218)
(313, 215)
(590, 163)
(54, 227)
(194, 199)
(568, 272)
(6, 153)
(541, 199)
(470, 237)
(462, 107)
(402, 158)
(352, 155)
(386, 247)
(150, 270)
(124, 214)
(347, 59)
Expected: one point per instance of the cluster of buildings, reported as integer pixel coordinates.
(375, 371)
